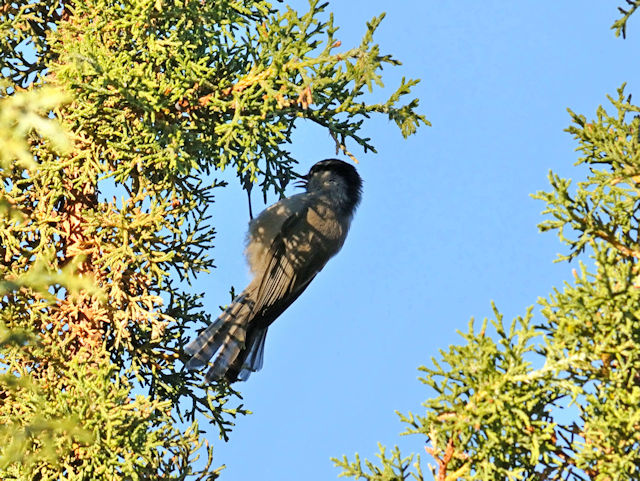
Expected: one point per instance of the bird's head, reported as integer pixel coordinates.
(336, 178)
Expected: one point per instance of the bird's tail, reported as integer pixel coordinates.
(250, 360)
(224, 338)
(236, 353)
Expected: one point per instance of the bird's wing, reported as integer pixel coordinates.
(289, 269)
(287, 272)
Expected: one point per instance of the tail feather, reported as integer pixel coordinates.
(255, 354)
(232, 346)
(203, 347)
(224, 338)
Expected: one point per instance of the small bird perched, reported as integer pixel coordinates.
(287, 245)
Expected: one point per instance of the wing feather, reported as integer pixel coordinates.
(290, 267)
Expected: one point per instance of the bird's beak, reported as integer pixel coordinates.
(302, 183)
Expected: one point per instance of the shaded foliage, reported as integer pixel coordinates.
(144, 99)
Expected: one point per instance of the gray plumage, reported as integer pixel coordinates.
(287, 245)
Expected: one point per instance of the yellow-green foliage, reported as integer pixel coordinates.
(558, 400)
(143, 98)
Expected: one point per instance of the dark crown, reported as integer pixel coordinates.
(347, 172)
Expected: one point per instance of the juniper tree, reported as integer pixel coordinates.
(496, 410)
(147, 99)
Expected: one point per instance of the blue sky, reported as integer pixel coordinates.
(446, 224)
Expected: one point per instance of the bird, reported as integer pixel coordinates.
(287, 245)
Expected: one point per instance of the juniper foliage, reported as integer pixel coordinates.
(148, 99)
(498, 401)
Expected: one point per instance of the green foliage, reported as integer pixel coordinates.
(145, 99)
(394, 467)
(23, 114)
(23, 35)
(603, 206)
(181, 104)
(560, 399)
(499, 409)
(620, 25)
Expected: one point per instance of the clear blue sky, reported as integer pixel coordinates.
(446, 224)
